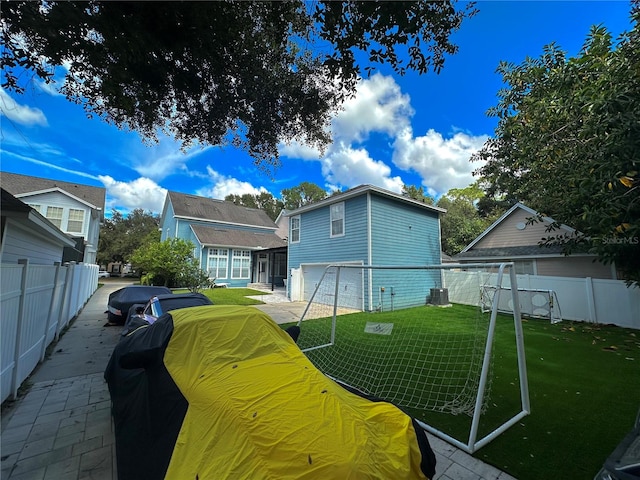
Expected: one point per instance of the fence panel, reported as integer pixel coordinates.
(615, 303)
(582, 299)
(10, 294)
(40, 283)
(36, 302)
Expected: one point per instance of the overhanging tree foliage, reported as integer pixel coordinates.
(253, 74)
(568, 143)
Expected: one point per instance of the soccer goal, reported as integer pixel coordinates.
(421, 337)
(534, 303)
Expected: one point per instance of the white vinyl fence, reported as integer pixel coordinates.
(583, 299)
(36, 304)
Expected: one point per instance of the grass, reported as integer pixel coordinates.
(231, 296)
(584, 383)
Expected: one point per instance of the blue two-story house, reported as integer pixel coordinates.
(235, 244)
(366, 225)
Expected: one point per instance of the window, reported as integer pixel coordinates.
(76, 220)
(337, 219)
(295, 229)
(524, 267)
(217, 261)
(54, 215)
(240, 264)
(280, 268)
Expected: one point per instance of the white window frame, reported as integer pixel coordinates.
(218, 254)
(71, 220)
(243, 258)
(525, 267)
(336, 219)
(57, 221)
(295, 227)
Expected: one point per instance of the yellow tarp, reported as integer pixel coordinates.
(259, 409)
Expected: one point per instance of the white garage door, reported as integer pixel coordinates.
(349, 293)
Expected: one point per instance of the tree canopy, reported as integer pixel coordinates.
(263, 200)
(464, 221)
(121, 235)
(417, 193)
(165, 261)
(567, 143)
(301, 195)
(253, 74)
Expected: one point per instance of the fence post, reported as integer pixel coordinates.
(15, 381)
(64, 301)
(52, 314)
(591, 303)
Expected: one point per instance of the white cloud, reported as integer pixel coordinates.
(140, 193)
(21, 114)
(223, 185)
(299, 150)
(351, 167)
(44, 164)
(443, 163)
(378, 106)
(378, 110)
(160, 160)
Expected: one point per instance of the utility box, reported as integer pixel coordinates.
(439, 296)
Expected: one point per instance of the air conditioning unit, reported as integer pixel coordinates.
(439, 296)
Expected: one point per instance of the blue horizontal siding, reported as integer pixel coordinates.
(316, 244)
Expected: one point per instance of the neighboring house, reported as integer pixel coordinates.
(236, 245)
(363, 226)
(26, 234)
(282, 223)
(512, 239)
(77, 210)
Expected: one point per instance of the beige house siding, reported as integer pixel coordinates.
(283, 227)
(507, 233)
(576, 266)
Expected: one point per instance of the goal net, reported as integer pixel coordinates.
(419, 337)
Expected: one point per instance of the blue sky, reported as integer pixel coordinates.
(415, 130)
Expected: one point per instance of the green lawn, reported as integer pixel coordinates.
(584, 383)
(231, 296)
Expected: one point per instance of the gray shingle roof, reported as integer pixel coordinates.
(17, 184)
(236, 238)
(192, 206)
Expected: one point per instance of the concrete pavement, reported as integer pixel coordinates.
(61, 427)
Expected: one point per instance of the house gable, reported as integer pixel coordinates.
(28, 235)
(19, 185)
(513, 230)
(511, 238)
(227, 237)
(77, 209)
(381, 227)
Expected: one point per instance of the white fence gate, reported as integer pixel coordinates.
(583, 299)
(36, 303)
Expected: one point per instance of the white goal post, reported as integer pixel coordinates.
(420, 337)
